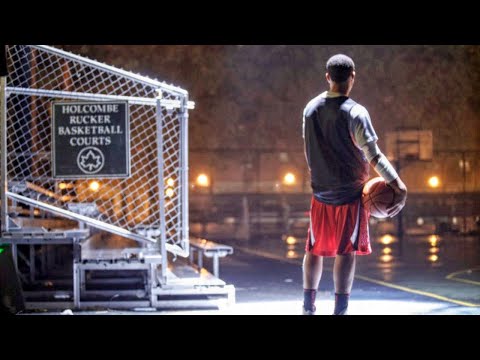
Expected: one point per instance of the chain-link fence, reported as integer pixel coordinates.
(264, 170)
(152, 203)
(249, 171)
(456, 171)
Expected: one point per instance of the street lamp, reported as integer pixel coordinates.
(94, 186)
(434, 182)
(289, 179)
(203, 180)
(169, 192)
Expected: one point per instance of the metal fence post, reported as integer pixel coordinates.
(161, 188)
(3, 137)
(184, 171)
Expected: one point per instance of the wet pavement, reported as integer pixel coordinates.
(270, 284)
(427, 275)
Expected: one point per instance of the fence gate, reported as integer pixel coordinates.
(151, 204)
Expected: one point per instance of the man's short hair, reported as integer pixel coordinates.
(340, 67)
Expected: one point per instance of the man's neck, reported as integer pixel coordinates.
(332, 94)
(336, 89)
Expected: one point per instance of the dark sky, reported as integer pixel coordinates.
(253, 96)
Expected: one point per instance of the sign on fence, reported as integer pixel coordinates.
(90, 140)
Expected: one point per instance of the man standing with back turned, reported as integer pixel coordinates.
(340, 143)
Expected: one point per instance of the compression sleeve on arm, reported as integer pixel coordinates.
(383, 166)
(366, 139)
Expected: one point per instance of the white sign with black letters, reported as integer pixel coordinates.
(90, 140)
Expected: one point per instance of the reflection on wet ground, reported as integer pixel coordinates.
(432, 251)
(442, 267)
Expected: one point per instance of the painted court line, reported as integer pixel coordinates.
(368, 279)
(453, 277)
(418, 292)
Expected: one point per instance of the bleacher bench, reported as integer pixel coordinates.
(208, 249)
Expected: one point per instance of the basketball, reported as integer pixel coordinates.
(377, 197)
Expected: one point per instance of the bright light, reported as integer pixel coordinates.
(434, 182)
(467, 165)
(433, 258)
(291, 240)
(433, 240)
(454, 221)
(433, 250)
(386, 258)
(229, 220)
(387, 239)
(291, 254)
(94, 185)
(169, 192)
(62, 186)
(203, 180)
(387, 250)
(170, 182)
(277, 307)
(420, 221)
(289, 179)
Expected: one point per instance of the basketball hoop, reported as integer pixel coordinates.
(409, 144)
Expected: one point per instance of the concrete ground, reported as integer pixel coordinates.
(268, 283)
(274, 286)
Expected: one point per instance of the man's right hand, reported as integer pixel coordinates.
(400, 197)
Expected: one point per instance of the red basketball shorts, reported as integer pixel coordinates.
(338, 229)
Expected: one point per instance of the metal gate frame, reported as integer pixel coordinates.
(167, 98)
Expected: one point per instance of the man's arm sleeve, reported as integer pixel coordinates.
(366, 139)
(361, 126)
(305, 128)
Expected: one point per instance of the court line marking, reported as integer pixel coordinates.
(271, 256)
(418, 292)
(452, 276)
(365, 278)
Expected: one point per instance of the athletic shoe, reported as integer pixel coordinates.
(309, 312)
(343, 312)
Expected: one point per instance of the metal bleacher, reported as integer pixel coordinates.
(112, 247)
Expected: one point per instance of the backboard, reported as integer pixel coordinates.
(410, 144)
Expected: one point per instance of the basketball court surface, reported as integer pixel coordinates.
(268, 284)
